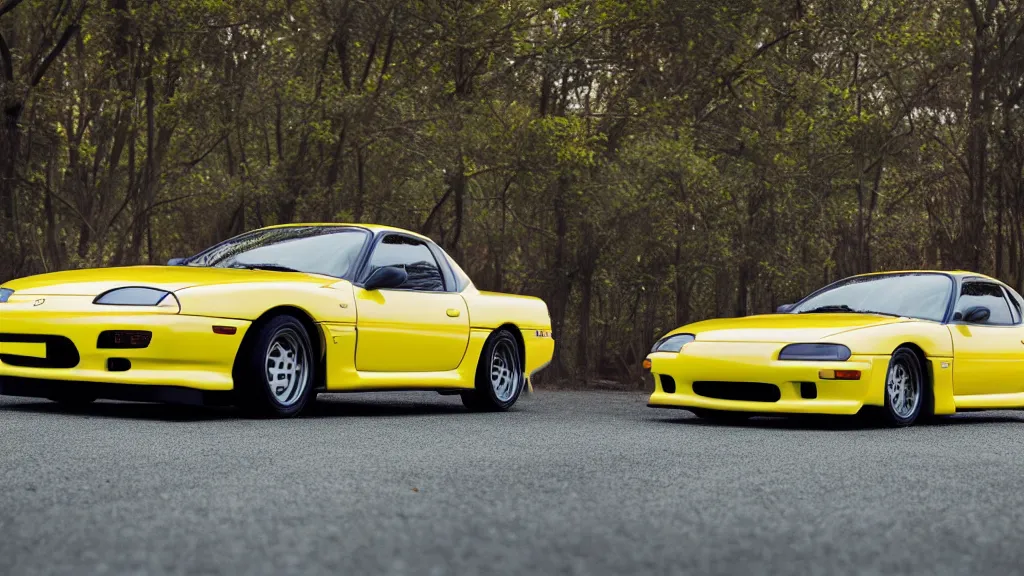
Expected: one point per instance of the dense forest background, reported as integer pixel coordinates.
(638, 164)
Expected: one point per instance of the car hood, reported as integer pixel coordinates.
(95, 281)
(784, 328)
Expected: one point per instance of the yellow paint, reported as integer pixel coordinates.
(539, 350)
(491, 310)
(32, 349)
(990, 401)
(409, 331)
(942, 385)
(989, 360)
(184, 350)
(384, 339)
(970, 366)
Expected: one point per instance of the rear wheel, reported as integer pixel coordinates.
(499, 375)
(906, 389)
(278, 371)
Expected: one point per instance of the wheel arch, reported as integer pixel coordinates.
(926, 371)
(517, 333)
(316, 338)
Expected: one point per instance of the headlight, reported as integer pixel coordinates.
(5, 294)
(137, 296)
(823, 352)
(673, 343)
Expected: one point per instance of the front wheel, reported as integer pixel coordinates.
(278, 372)
(906, 390)
(499, 375)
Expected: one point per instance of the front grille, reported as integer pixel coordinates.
(746, 391)
(60, 351)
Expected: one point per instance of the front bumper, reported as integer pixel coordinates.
(725, 363)
(184, 352)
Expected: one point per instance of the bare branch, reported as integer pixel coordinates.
(69, 32)
(8, 6)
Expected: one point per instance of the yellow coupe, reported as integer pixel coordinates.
(268, 319)
(906, 345)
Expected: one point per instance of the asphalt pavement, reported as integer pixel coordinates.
(566, 483)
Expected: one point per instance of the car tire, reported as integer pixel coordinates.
(500, 376)
(907, 390)
(278, 373)
(721, 416)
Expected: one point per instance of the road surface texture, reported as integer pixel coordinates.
(567, 483)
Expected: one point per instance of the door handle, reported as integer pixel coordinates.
(453, 313)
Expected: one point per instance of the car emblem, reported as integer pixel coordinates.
(39, 302)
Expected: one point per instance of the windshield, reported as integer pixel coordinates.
(924, 296)
(315, 249)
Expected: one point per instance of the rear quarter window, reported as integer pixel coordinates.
(1016, 305)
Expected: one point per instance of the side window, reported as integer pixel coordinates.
(988, 295)
(414, 257)
(1015, 306)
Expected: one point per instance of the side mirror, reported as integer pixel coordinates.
(784, 308)
(176, 261)
(386, 277)
(977, 315)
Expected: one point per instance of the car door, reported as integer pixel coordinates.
(421, 326)
(988, 357)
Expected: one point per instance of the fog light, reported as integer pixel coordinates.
(124, 339)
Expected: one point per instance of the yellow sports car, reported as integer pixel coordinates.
(906, 344)
(269, 318)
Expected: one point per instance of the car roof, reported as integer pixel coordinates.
(374, 228)
(954, 273)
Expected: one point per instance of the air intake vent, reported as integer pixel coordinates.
(668, 384)
(60, 351)
(808, 390)
(744, 391)
(119, 364)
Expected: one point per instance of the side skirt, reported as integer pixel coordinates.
(990, 401)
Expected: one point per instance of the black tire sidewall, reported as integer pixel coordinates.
(484, 396)
(257, 396)
(915, 365)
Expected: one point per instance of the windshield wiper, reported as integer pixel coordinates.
(271, 267)
(846, 309)
(830, 308)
